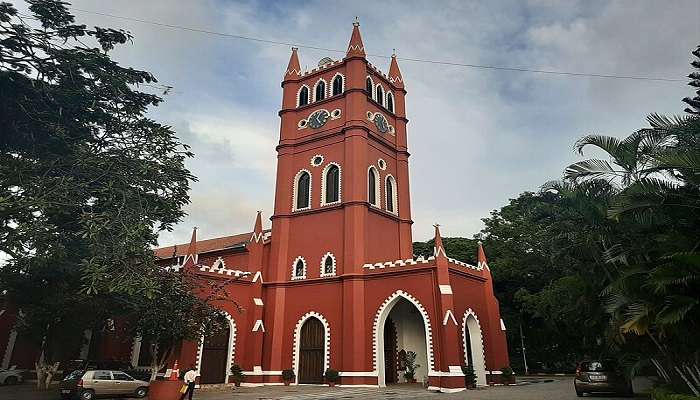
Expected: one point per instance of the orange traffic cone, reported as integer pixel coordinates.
(175, 372)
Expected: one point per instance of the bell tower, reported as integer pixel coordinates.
(342, 169)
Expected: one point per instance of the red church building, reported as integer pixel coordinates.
(334, 283)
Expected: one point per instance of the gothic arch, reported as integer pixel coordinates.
(390, 102)
(324, 92)
(324, 174)
(378, 333)
(295, 276)
(390, 195)
(470, 324)
(324, 259)
(231, 347)
(297, 341)
(333, 84)
(299, 96)
(369, 86)
(377, 187)
(379, 91)
(295, 190)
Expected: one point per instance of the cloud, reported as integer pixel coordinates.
(477, 137)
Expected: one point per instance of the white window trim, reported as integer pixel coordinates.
(231, 347)
(371, 95)
(294, 268)
(323, 265)
(299, 95)
(342, 86)
(325, 89)
(394, 196)
(377, 187)
(323, 184)
(314, 157)
(376, 97)
(393, 102)
(480, 363)
(296, 187)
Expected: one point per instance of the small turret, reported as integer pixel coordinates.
(356, 48)
(293, 69)
(395, 73)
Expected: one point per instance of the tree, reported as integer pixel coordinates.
(87, 180)
(694, 76)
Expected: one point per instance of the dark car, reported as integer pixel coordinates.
(601, 376)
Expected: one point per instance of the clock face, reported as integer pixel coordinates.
(318, 118)
(380, 123)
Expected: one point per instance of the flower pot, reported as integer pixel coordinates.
(165, 390)
(287, 383)
(331, 384)
(238, 384)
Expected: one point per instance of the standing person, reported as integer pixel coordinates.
(190, 377)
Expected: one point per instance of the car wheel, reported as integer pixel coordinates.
(141, 392)
(87, 395)
(11, 380)
(579, 393)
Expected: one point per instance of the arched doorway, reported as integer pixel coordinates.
(410, 325)
(473, 346)
(217, 348)
(311, 351)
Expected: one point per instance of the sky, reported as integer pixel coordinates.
(477, 137)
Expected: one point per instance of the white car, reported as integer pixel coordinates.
(10, 376)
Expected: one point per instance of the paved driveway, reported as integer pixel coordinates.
(560, 389)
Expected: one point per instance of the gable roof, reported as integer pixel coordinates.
(206, 246)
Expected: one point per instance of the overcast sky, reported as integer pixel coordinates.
(477, 137)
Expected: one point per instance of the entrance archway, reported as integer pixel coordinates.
(474, 345)
(216, 354)
(311, 351)
(411, 326)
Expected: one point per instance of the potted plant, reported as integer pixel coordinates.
(331, 376)
(411, 366)
(237, 374)
(469, 376)
(507, 375)
(288, 376)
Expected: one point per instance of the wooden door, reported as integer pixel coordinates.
(311, 349)
(215, 357)
(390, 358)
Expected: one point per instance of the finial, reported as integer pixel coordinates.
(436, 225)
(295, 48)
(393, 52)
(480, 242)
(357, 21)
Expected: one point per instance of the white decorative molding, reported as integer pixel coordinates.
(482, 264)
(371, 93)
(376, 92)
(438, 250)
(299, 94)
(231, 347)
(399, 263)
(449, 315)
(258, 326)
(219, 264)
(135, 350)
(394, 196)
(389, 94)
(378, 332)
(325, 90)
(323, 184)
(258, 301)
(381, 163)
(445, 390)
(478, 359)
(296, 187)
(257, 238)
(463, 264)
(377, 187)
(294, 268)
(9, 349)
(445, 289)
(335, 114)
(258, 275)
(223, 271)
(503, 325)
(323, 265)
(315, 157)
(359, 373)
(342, 87)
(297, 341)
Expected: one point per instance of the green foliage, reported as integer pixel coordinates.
(469, 376)
(288, 374)
(331, 375)
(507, 372)
(237, 373)
(411, 365)
(663, 393)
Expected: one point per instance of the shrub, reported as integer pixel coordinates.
(507, 372)
(469, 376)
(236, 373)
(331, 375)
(288, 375)
(662, 393)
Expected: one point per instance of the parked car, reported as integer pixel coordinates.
(87, 385)
(10, 377)
(113, 365)
(601, 376)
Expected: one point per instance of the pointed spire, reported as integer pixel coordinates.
(356, 48)
(191, 257)
(293, 69)
(395, 73)
(257, 230)
(481, 262)
(439, 249)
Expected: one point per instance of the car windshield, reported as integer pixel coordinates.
(77, 374)
(598, 366)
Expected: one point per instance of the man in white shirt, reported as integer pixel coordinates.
(190, 377)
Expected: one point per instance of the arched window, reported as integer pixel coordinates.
(372, 186)
(380, 95)
(337, 85)
(320, 91)
(390, 194)
(328, 265)
(303, 96)
(390, 102)
(369, 86)
(302, 192)
(331, 184)
(299, 268)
